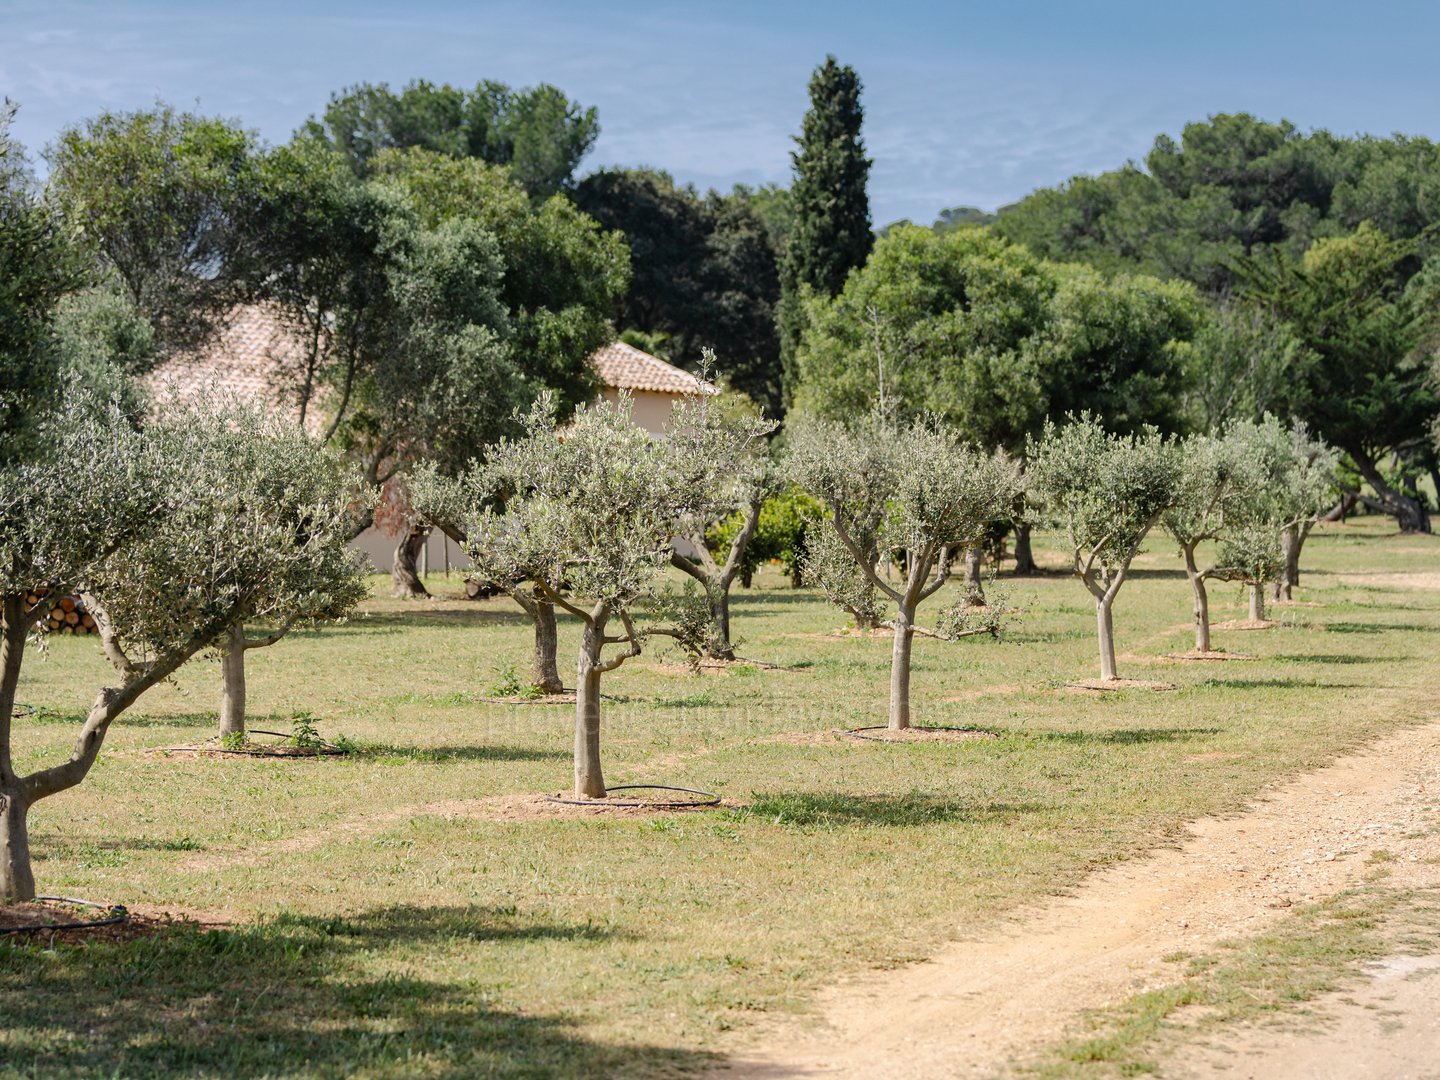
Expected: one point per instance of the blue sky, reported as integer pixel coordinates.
(966, 103)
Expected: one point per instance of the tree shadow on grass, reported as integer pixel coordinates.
(1377, 628)
(440, 755)
(839, 809)
(1336, 658)
(1123, 736)
(1274, 684)
(389, 622)
(298, 997)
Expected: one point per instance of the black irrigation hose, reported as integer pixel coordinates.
(20, 709)
(710, 798)
(859, 732)
(117, 914)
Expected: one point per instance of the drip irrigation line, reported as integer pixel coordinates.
(708, 798)
(19, 709)
(116, 914)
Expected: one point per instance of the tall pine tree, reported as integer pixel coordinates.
(831, 232)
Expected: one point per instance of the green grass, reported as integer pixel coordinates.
(376, 933)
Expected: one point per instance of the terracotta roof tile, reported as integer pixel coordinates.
(628, 368)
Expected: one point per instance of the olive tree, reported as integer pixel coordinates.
(445, 503)
(1297, 483)
(925, 492)
(1219, 483)
(1106, 491)
(586, 511)
(742, 494)
(291, 492)
(163, 535)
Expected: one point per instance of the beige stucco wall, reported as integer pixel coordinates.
(652, 409)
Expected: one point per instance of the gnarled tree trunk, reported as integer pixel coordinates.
(543, 670)
(17, 881)
(1024, 556)
(1292, 539)
(1257, 603)
(973, 586)
(1202, 600)
(405, 571)
(1409, 513)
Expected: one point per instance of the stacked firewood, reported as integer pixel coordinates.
(67, 615)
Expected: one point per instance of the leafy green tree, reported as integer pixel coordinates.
(705, 273)
(564, 274)
(537, 133)
(163, 198)
(1243, 362)
(1106, 491)
(1368, 327)
(939, 323)
(830, 233)
(39, 267)
(924, 492)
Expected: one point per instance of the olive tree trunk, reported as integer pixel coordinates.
(974, 587)
(589, 780)
(1105, 624)
(543, 670)
(1257, 603)
(716, 579)
(1024, 556)
(1201, 598)
(900, 667)
(1292, 539)
(232, 683)
(17, 881)
(404, 572)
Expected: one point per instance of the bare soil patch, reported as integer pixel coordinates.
(566, 698)
(41, 919)
(1387, 1027)
(538, 807)
(982, 1004)
(1245, 624)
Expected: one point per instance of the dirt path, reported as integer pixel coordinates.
(980, 1004)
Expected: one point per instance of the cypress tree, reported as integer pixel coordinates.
(831, 233)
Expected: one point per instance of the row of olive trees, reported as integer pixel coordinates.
(915, 496)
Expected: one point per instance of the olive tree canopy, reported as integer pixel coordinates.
(1106, 491)
(921, 493)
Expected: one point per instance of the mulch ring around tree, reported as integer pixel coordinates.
(709, 666)
(1245, 624)
(287, 748)
(1213, 654)
(1102, 686)
(921, 733)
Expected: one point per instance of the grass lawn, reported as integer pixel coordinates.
(381, 925)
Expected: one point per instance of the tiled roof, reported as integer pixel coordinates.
(254, 357)
(628, 368)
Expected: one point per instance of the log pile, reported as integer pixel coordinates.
(67, 615)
